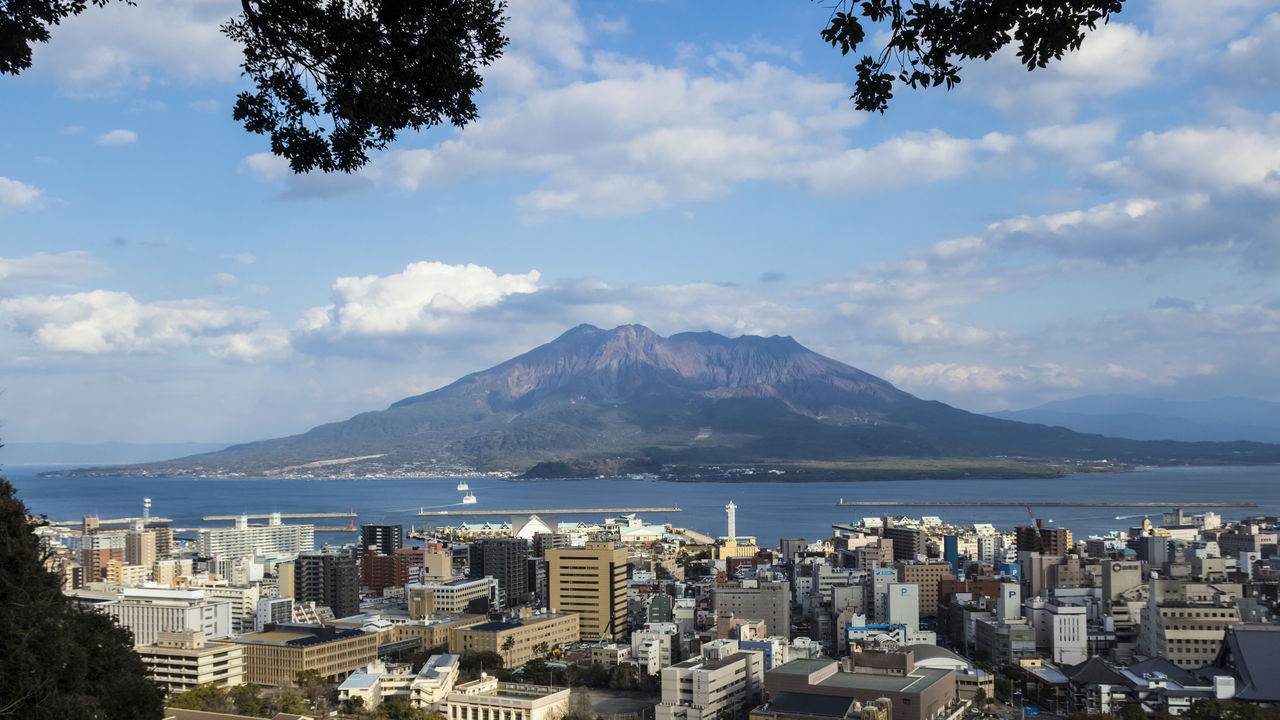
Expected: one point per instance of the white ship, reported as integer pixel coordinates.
(462, 486)
(468, 499)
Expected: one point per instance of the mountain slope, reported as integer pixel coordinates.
(689, 398)
(1138, 418)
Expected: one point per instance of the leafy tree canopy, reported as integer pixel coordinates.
(929, 39)
(56, 660)
(337, 79)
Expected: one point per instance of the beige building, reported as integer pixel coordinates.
(488, 698)
(433, 631)
(452, 597)
(516, 639)
(721, 683)
(1186, 622)
(140, 547)
(928, 576)
(182, 659)
(119, 572)
(591, 581)
(146, 611)
(276, 655)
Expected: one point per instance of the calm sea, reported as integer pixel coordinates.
(768, 511)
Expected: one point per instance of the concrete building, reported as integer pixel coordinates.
(592, 581)
(1041, 539)
(928, 575)
(517, 639)
(1004, 641)
(655, 646)
(504, 560)
(1062, 631)
(1186, 622)
(146, 611)
(916, 693)
(244, 602)
(272, 541)
(488, 698)
(182, 659)
(766, 599)
(902, 603)
(272, 611)
(140, 547)
(96, 550)
(908, 542)
(276, 655)
(452, 597)
(327, 579)
(382, 539)
(727, 682)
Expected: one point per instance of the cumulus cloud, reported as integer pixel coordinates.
(47, 269)
(117, 137)
(102, 322)
(17, 195)
(955, 378)
(119, 46)
(425, 298)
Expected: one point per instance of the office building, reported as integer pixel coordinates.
(147, 611)
(1038, 538)
(452, 597)
(726, 684)
(179, 660)
(592, 581)
(488, 698)
(765, 599)
(928, 575)
(909, 692)
(276, 655)
(518, 639)
(908, 542)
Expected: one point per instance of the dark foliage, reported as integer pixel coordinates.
(370, 69)
(59, 661)
(929, 39)
(26, 22)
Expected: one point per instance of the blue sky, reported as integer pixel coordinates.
(1109, 224)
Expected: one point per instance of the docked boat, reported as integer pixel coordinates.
(462, 486)
(468, 499)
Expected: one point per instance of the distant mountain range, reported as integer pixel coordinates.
(686, 399)
(1128, 416)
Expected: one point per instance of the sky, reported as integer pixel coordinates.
(1110, 224)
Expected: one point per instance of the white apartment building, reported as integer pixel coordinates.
(272, 611)
(244, 601)
(651, 648)
(146, 611)
(448, 598)
(722, 680)
(431, 688)
(1061, 630)
(272, 541)
(182, 659)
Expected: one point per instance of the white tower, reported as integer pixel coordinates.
(731, 510)
(146, 509)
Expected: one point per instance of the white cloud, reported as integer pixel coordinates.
(426, 298)
(117, 137)
(47, 269)
(108, 49)
(17, 195)
(1204, 159)
(265, 166)
(224, 280)
(954, 378)
(103, 322)
(256, 346)
(245, 258)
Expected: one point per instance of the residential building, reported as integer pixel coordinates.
(726, 682)
(96, 550)
(592, 581)
(381, 539)
(1061, 631)
(908, 542)
(272, 611)
(182, 659)
(327, 579)
(140, 547)
(655, 646)
(378, 572)
(276, 655)
(504, 560)
(272, 541)
(928, 575)
(1038, 538)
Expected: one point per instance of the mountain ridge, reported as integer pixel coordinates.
(685, 399)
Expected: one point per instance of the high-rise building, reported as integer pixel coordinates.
(542, 542)
(386, 539)
(908, 542)
(591, 580)
(329, 580)
(929, 576)
(383, 571)
(96, 550)
(764, 599)
(504, 560)
(271, 541)
(140, 547)
(1038, 538)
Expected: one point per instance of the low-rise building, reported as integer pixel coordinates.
(182, 659)
(917, 693)
(488, 698)
(146, 611)
(724, 681)
(276, 655)
(517, 639)
(458, 596)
